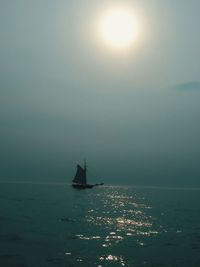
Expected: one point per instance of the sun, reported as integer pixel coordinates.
(117, 28)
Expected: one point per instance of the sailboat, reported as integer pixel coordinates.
(80, 179)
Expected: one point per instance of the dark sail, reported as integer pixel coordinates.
(80, 177)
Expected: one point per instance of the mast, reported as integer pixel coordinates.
(85, 166)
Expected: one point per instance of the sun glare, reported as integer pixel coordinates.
(118, 28)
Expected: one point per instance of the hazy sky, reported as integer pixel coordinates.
(66, 96)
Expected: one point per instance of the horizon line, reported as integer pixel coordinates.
(107, 185)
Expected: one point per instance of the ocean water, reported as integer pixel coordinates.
(55, 225)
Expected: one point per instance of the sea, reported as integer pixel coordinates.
(50, 225)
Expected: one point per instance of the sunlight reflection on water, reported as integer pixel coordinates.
(122, 218)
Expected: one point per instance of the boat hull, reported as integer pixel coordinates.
(82, 186)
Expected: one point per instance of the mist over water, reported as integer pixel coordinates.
(65, 97)
(56, 225)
